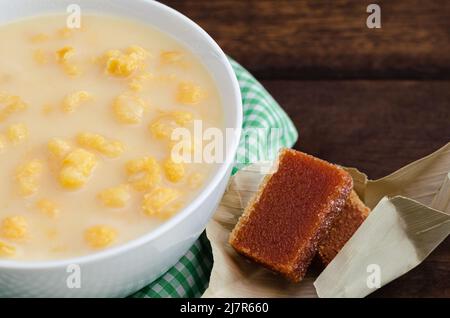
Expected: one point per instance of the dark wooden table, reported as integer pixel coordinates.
(375, 99)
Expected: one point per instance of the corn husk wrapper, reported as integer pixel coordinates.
(410, 217)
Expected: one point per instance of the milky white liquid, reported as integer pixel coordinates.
(47, 84)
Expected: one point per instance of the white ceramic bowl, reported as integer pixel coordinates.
(122, 270)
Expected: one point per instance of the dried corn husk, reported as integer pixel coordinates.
(410, 217)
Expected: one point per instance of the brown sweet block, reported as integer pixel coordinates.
(292, 211)
(344, 226)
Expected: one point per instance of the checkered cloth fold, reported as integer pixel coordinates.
(190, 276)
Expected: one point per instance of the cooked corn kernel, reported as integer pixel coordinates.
(189, 93)
(83, 160)
(71, 178)
(40, 57)
(162, 127)
(76, 168)
(116, 197)
(144, 173)
(7, 250)
(139, 52)
(141, 164)
(27, 176)
(123, 64)
(182, 118)
(136, 83)
(110, 148)
(100, 236)
(10, 104)
(174, 171)
(169, 57)
(14, 228)
(72, 101)
(47, 207)
(62, 55)
(17, 133)
(58, 147)
(129, 109)
(159, 198)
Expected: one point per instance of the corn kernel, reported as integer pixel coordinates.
(62, 57)
(174, 171)
(7, 250)
(116, 197)
(58, 147)
(47, 207)
(71, 178)
(162, 127)
(17, 133)
(83, 160)
(169, 57)
(110, 148)
(63, 54)
(100, 236)
(144, 173)
(182, 118)
(189, 94)
(10, 104)
(27, 176)
(129, 109)
(138, 52)
(157, 200)
(136, 83)
(76, 168)
(72, 101)
(141, 164)
(123, 64)
(40, 57)
(89, 140)
(14, 228)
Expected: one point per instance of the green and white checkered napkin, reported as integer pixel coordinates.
(190, 276)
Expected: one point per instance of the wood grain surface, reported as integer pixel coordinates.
(376, 126)
(329, 39)
(375, 99)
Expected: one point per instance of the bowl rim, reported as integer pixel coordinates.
(219, 174)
